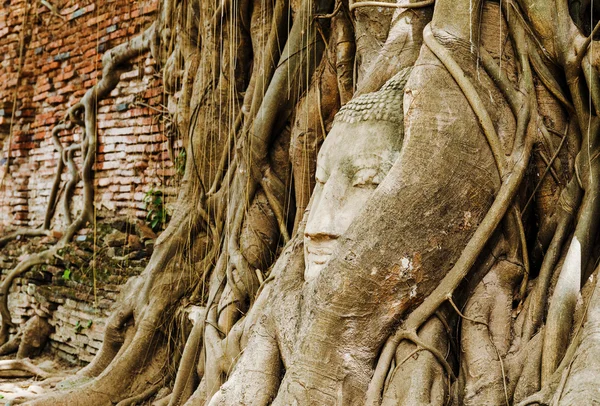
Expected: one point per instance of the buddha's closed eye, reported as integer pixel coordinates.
(367, 178)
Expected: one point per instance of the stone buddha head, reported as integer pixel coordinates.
(363, 144)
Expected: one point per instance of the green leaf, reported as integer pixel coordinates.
(67, 275)
(89, 324)
(78, 327)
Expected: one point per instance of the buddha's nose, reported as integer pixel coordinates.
(323, 221)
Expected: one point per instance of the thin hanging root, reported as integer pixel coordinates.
(276, 35)
(464, 317)
(418, 4)
(504, 380)
(524, 253)
(514, 98)
(226, 155)
(394, 367)
(561, 386)
(548, 167)
(278, 211)
(320, 108)
(549, 145)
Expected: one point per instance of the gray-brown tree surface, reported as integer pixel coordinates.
(442, 248)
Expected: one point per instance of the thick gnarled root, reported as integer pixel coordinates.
(418, 378)
(485, 337)
(21, 368)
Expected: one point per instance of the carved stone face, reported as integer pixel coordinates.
(359, 151)
(354, 159)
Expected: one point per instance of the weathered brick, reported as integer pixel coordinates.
(54, 44)
(55, 99)
(65, 75)
(50, 66)
(62, 56)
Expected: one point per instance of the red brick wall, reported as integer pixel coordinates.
(62, 59)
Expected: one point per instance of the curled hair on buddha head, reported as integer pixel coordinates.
(382, 105)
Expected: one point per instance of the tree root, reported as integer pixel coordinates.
(23, 233)
(21, 368)
(560, 314)
(484, 351)
(225, 156)
(539, 183)
(417, 4)
(186, 379)
(275, 191)
(65, 157)
(378, 381)
(470, 94)
(11, 345)
(62, 160)
(541, 399)
(142, 396)
(22, 267)
(419, 378)
(538, 299)
(572, 274)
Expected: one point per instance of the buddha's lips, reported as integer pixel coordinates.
(318, 253)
